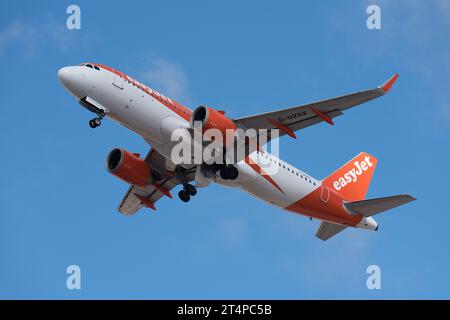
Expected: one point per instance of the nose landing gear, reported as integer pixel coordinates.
(94, 123)
(95, 107)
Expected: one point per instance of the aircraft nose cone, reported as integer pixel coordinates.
(70, 78)
(64, 75)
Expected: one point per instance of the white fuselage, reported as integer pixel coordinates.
(153, 116)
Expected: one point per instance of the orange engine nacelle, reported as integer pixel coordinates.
(128, 167)
(212, 119)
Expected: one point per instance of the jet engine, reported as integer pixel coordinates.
(129, 167)
(212, 119)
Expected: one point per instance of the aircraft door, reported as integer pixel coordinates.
(324, 194)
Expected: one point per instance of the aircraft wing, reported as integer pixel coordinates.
(139, 197)
(299, 117)
(328, 230)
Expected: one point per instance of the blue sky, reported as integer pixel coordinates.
(58, 204)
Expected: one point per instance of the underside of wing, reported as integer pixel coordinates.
(138, 197)
(299, 117)
(161, 185)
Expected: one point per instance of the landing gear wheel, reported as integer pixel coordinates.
(224, 173)
(97, 121)
(232, 173)
(94, 123)
(191, 190)
(184, 196)
(229, 172)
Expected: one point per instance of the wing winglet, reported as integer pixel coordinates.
(388, 84)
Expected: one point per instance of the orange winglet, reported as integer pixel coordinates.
(163, 190)
(282, 127)
(388, 84)
(323, 116)
(146, 202)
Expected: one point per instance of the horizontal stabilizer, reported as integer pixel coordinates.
(328, 230)
(371, 207)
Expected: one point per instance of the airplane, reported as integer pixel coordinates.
(338, 201)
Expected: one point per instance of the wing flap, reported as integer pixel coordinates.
(131, 203)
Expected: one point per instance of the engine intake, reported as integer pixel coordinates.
(128, 167)
(212, 119)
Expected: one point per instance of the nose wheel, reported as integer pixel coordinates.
(94, 123)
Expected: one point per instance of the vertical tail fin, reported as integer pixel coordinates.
(352, 180)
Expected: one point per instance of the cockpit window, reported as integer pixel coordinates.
(89, 66)
(96, 68)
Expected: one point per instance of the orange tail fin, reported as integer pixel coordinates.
(353, 179)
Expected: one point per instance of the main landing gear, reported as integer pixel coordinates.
(188, 190)
(229, 172)
(94, 123)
